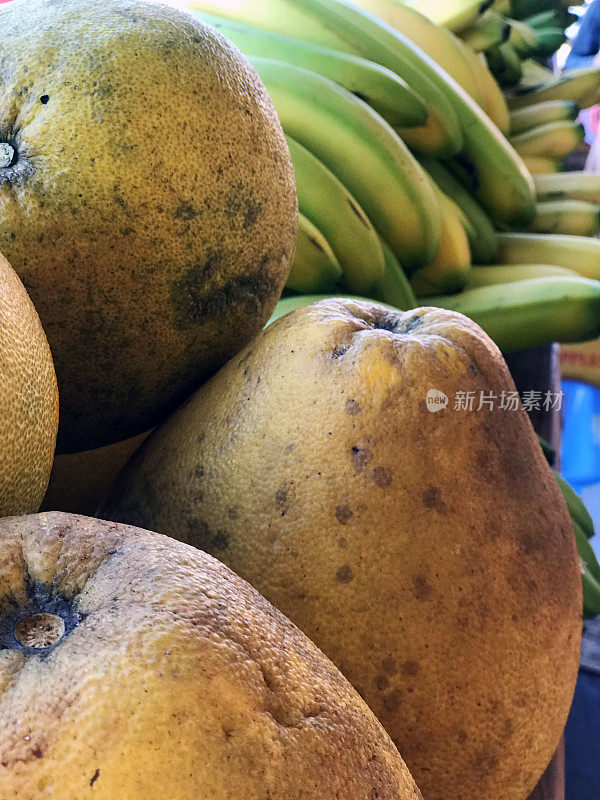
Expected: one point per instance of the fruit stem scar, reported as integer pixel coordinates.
(40, 630)
(7, 155)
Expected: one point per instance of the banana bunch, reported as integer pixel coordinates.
(583, 530)
(414, 167)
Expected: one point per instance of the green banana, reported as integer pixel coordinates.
(315, 267)
(522, 9)
(578, 253)
(496, 173)
(494, 274)
(488, 30)
(552, 140)
(532, 312)
(567, 217)
(327, 26)
(393, 288)
(381, 88)
(569, 186)
(576, 506)
(336, 213)
(550, 39)
(591, 592)
(550, 18)
(548, 451)
(590, 572)
(483, 239)
(529, 117)
(363, 151)
(504, 64)
(579, 85)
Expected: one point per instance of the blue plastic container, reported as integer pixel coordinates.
(581, 434)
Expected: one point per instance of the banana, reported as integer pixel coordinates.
(488, 30)
(494, 102)
(363, 151)
(533, 312)
(449, 269)
(330, 206)
(585, 550)
(553, 140)
(503, 184)
(483, 239)
(494, 274)
(381, 88)
(579, 85)
(315, 267)
(452, 14)
(438, 42)
(537, 165)
(499, 177)
(550, 39)
(567, 217)
(393, 287)
(569, 186)
(522, 37)
(535, 76)
(521, 9)
(326, 25)
(578, 253)
(591, 592)
(505, 64)
(576, 506)
(529, 117)
(549, 18)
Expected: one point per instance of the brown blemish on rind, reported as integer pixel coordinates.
(389, 666)
(352, 408)
(344, 574)
(382, 682)
(432, 498)
(392, 700)
(409, 668)
(94, 777)
(343, 514)
(382, 477)
(280, 497)
(421, 588)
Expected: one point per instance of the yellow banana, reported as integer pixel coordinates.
(578, 253)
(569, 186)
(452, 14)
(579, 85)
(326, 25)
(552, 140)
(529, 117)
(381, 88)
(336, 213)
(435, 40)
(538, 165)
(393, 288)
(493, 274)
(363, 151)
(494, 103)
(568, 217)
(452, 263)
(315, 267)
